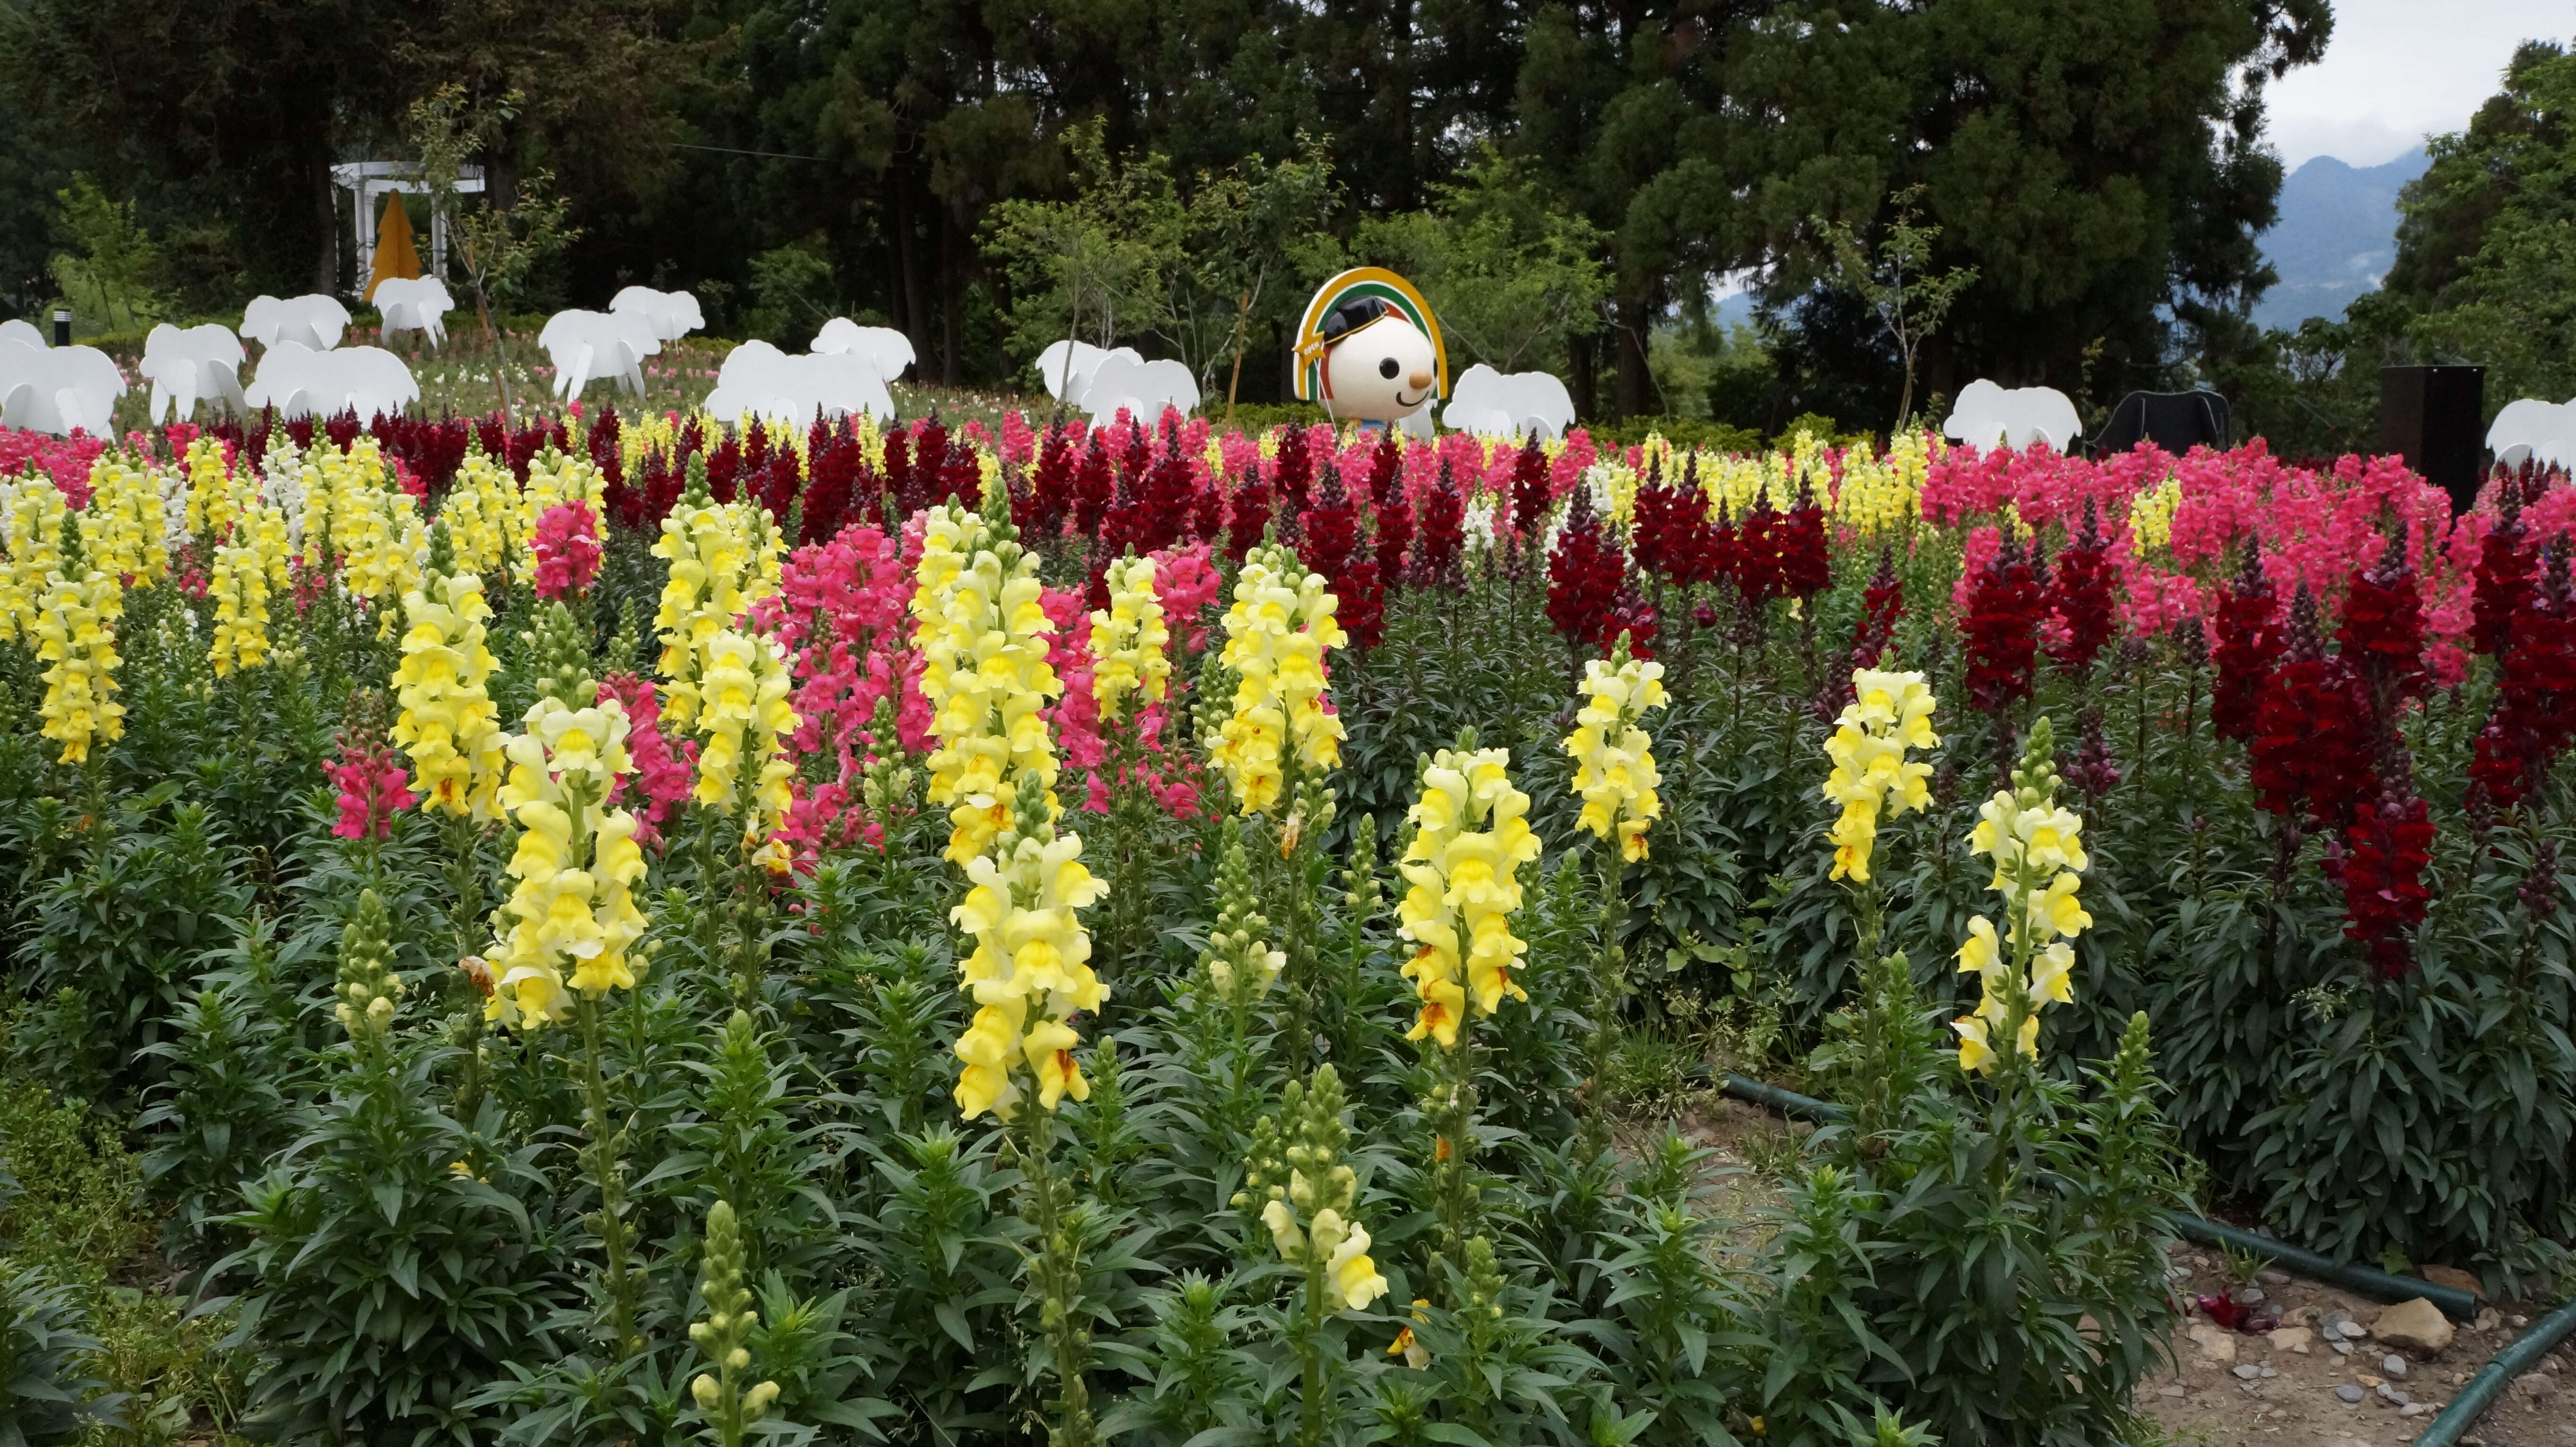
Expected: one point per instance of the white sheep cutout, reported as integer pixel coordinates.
(301, 382)
(1989, 415)
(57, 389)
(887, 350)
(1068, 367)
(759, 379)
(314, 321)
(415, 304)
(672, 314)
(1143, 389)
(2531, 430)
(199, 364)
(1508, 404)
(586, 346)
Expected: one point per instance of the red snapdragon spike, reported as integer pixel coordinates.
(2083, 595)
(1584, 573)
(2387, 848)
(341, 427)
(1725, 551)
(1395, 531)
(2502, 586)
(755, 448)
(724, 464)
(1658, 522)
(2002, 628)
(2383, 627)
(2248, 641)
(1529, 489)
(1806, 568)
(2311, 748)
(898, 469)
(1882, 603)
(1166, 505)
(2535, 709)
(1444, 529)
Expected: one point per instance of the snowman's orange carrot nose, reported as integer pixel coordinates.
(1418, 381)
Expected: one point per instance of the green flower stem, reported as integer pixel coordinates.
(615, 1236)
(1453, 1119)
(1306, 1333)
(1606, 990)
(1057, 1263)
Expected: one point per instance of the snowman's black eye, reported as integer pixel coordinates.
(1386, 369)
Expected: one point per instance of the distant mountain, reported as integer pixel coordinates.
(2336, 237)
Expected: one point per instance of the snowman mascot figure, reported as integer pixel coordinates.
(1369, 351)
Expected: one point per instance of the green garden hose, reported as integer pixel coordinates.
(2362, 1280)
(2499, 1372)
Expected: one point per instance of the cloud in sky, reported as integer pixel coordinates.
(2397, 70)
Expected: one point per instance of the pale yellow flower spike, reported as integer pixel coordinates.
(1127, 640)
(571, 922)
(1890, 713)
(1278, 629)
(1471, 835)
(2037, 848)
(1614, 761)
(448, 725)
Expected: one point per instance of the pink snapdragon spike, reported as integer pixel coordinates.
(567, 549)
(664, 769)
(372, 789)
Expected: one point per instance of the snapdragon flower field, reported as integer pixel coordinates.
(643, 928)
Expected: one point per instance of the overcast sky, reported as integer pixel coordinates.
(2398, 69)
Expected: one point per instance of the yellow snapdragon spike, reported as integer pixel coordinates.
(2032, 840)
(1278, 627)
(31, 524)
(1471, 835)
(1029, 973)
(238, 585)
(448, 726)
(1614, 761)
(1128, 639)
(746, 719)
(1890, 713)
(75, 636)
(982, 632)
(571, 923)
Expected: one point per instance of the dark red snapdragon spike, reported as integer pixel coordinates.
(898, 470)
(755, 449)
(2382, 634)
(1247, 509)
(1333, 547)
(1628, 613)
(662, 485)
(2001, 629)
(724, 464)
(2082, 597)
(2386, 849)
(1293, 472)
(2248, 642)
(1529, 490)
(300, 431)
(2311, 750)
(2092, 768)
(1166, 507)
(1051, 485)
(1444, 531)
(1656, 523)
(2535, 708)
(341, 427)
(1882, 603)
(606, 435)
(2502, 585)
(1094, 487)
(834, 462)
(1757, 552)
(1806, 568)
(1584, 572)
(1724, 556)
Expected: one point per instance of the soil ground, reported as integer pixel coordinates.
(2203, 1400)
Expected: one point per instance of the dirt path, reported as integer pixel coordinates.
(2292, 1385)
(2289, 1386)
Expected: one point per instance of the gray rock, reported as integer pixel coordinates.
(2342, 1348)
(2267, 1371)
(2248, 1373)
(2393, 1365)
(2413, 1409)
(2349, 1393)
(2272, 1278)
(2392, 1396)
(2247, 1295)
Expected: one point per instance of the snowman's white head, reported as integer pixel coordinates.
(1378, 366)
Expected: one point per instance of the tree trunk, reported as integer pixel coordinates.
(1583, 378)
(1636, 383)
(949, 243)
(326, 210)
(907, 293)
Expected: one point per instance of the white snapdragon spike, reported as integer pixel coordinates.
(173, 485)
(1479, 523)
